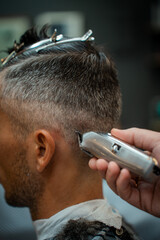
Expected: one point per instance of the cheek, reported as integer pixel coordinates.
(31, 156)
(15, 172)
(6, 158)
(8, 161)
(29, 160)
(24, 185)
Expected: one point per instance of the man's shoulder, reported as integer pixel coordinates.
(82, 229)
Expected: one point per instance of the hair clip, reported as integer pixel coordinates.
(46, 43)
(53, 37)
(7, 59)
(17, 47)
(59, 40)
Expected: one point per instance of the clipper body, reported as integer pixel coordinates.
(126, 156)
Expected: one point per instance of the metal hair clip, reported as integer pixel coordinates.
(59, 40)
(46, 43)
(17, 47)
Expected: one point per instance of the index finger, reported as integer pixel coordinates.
(141, 138)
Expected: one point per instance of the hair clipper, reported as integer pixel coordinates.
(106, 146)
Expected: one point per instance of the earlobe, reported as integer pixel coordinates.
(45, 148)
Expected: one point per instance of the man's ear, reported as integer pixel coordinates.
(45, 148)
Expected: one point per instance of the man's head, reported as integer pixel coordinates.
(60, 89)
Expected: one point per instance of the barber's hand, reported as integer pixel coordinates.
(141, 194)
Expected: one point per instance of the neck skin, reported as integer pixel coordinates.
(66, 184)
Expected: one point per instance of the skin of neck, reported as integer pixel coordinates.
(66, 182)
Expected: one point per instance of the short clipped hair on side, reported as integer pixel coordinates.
(72, 86)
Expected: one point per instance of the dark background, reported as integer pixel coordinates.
(130, 31)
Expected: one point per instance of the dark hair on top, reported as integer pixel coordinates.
(30, 37)
(67, 87)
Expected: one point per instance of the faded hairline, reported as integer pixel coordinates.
(30, 114)
(28, 117)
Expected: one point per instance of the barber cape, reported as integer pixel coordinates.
(87, 220)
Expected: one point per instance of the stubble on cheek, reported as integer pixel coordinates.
(25, 186)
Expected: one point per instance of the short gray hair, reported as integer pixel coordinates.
(71, 88)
